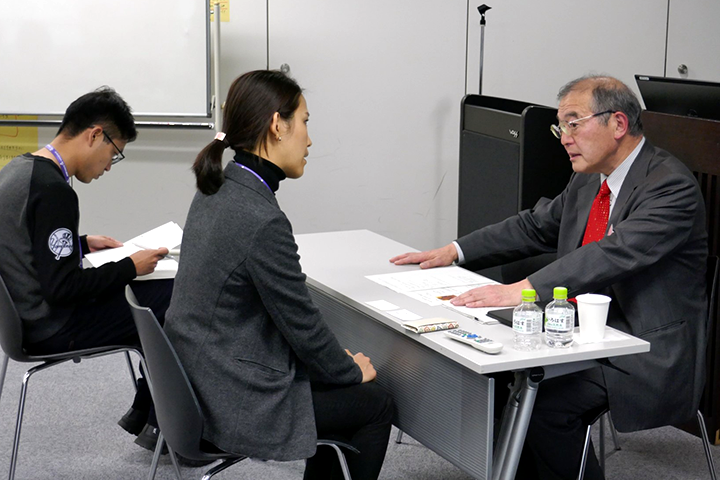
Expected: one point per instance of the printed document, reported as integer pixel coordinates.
(168, 236)
(437, 286)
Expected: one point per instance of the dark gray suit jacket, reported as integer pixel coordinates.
(652, 263)
(244, 326)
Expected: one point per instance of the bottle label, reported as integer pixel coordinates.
(527, 323)
(560, 321)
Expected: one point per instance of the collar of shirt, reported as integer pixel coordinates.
(268, 171)
(617, 177)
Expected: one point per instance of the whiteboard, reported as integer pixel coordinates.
(154, 53)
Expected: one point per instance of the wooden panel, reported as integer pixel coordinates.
(696, 142)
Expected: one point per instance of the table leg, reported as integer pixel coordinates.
(506, 422)
(514, 424)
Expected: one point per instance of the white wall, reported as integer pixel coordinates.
(384, 81)
(154, 184)
(532, 48)
(694, 39)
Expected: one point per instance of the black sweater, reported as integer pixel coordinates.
(41, 250)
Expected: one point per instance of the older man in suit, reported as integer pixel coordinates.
(649, 258)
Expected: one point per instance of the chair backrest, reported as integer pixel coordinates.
(11, 336)
(176, 406)
(713, 282)
(713, 357)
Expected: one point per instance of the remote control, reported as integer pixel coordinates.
(474, 340)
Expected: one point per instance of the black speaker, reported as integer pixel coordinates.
(509, 159)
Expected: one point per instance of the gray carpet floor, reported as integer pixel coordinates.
(70, 432)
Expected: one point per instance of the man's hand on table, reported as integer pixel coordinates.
(440, 257)
(493, 295)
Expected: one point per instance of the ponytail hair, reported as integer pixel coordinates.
(252, 100)
(208, 168)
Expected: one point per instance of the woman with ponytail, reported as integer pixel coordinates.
(268, 372)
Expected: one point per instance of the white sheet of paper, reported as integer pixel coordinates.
(102, 257)
(405, 315)
(166, 268)
(438, 296)
(436, 286)
(382, 305)
(168, 235)
(433, 278)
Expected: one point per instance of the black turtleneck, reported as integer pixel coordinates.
(268, 171)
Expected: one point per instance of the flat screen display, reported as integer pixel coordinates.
(677, 96)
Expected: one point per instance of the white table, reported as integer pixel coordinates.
(443, 397)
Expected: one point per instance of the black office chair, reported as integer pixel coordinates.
(178, 411)
(11, 338)
(713, 283)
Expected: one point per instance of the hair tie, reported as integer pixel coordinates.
(221, 136)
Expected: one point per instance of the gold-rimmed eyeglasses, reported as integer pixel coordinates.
(568, 128)
(119, 155)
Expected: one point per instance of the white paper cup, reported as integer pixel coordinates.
(592, 314)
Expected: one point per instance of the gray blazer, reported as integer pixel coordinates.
(245, 328)
(652, 263)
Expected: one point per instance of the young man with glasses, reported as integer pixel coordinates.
(64, 306)
(630, 224)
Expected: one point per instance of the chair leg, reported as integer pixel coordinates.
(601, 441)
(173, 460)
(221, 466)
(586, 448)
(399, 436)
(132, 370)
(613, 431)
(156, 457)
(706, 445)
(342, 460)
(3, 370)
(18, 424)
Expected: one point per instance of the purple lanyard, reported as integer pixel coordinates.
(258, 176)
(60, 161)
(56, 154)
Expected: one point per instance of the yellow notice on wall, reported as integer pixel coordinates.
(224, 10)
(14, 140)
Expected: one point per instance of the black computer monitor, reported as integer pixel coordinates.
(677, 96)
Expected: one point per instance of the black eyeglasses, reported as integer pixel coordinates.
(119, 155)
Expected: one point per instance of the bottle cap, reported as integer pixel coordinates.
(560, 293)
(528, 295)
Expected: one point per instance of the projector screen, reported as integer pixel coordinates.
(154, 53)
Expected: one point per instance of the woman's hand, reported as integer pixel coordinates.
(368, 371)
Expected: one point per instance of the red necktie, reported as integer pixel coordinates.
(598, 219)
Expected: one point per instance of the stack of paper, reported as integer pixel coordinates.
(437, 286)
(168, 236)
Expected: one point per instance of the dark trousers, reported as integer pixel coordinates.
(556, 434)
(360, 415)
(106, 320)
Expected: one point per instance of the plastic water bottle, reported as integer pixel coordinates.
(559, 320)
(527, 323)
